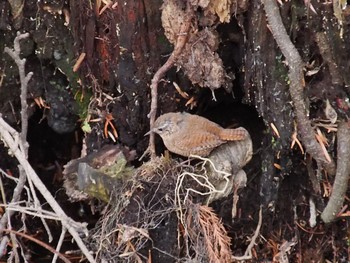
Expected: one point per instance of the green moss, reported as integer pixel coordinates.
(119, 169)
(98, 191)
(65, 64)
(83, 100)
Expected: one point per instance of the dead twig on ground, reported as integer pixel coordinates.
(342, 175)
(180, 43)
(297, 84)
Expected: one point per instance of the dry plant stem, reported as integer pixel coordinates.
(10, 139)
(24, 79)
(6, 219)
(40, 243)
(14, 243)
(14, 54)
(296, 84)
(36, 202)
(3, 245)
(248, 253)
(15, 197)
(340, 185)
(180, 43)
(59, 244)
(35, 212)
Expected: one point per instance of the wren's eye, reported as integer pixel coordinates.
(162, 128)
(158, 130)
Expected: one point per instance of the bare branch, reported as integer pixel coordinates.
(17, 143)
(15, 55)
(73, 227)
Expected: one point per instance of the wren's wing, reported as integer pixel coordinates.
(197, 143)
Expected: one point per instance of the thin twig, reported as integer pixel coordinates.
(37, 203)
(3, 244)
(180, 43)
(17, 143)
(33, 211)
(59, 244)
(72, 226)
(15, 244)
(248, 253)
(24, 79)
(6, 218)
(297, 84)
(39, 242)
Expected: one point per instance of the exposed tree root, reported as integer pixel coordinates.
(342, 176)
(325, 50)
(180, 43)
(297, 84)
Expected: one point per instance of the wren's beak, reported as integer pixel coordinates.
(148, 133)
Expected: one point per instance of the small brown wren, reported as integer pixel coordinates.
(186, 134)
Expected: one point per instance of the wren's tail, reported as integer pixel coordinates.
(233, 134)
